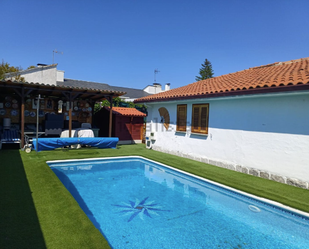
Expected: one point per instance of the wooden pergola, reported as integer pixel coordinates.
(23, 90)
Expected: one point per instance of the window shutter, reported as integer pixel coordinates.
(195, 119)
(181, 118)
(166, 116)
(204, 123)
(200, 114)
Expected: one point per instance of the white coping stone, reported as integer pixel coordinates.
(212, 162)
(231, 167)
(191, 157)
(245, 170)
(297, 183)
(204, 160)
(254, 172)
(221, 164)
(265, 174)
(238, 168)
(278, 178)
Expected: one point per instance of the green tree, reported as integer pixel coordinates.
(13, 71)
(118, 102)
(206, 71)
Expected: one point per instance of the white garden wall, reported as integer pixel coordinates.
(269, 133)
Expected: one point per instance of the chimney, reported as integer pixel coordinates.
(60, 75)
(158, 87)
(156, 84)
(167, 86)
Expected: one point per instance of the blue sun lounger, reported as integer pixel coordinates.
(53, 143)
(9, 137)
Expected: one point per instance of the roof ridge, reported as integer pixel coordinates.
(263, 66)
(10, 74)
(267, 65)
(281, 63)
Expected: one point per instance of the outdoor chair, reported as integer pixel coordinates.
(86, 125)
(9, 137)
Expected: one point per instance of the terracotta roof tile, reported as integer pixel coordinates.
(126, 111)
(273, 76)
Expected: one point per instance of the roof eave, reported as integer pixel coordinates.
(280, 89)
(42, 85)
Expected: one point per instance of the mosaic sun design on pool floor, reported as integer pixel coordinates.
(140, 208)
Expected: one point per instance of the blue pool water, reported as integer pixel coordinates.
(137, 203)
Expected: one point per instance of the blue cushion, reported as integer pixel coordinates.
(10, 136)
(53, 143)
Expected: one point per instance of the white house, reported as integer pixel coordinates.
(157, 88)
(49, 74)
(254, 121)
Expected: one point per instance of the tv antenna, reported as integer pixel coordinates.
(156, 71)
(57, 52)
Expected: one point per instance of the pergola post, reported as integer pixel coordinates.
(110, 99)
(70, 117)
(22, 94)
(22, 119)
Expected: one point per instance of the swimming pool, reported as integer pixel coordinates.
(138, 203)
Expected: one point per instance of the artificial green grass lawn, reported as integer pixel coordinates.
(36, 210)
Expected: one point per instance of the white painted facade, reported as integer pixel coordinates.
(47, 74)
(269, 133)
(41, 74)
(60, 75)
(156, 88)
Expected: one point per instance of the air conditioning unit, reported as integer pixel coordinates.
(153, 136)
(148, 143)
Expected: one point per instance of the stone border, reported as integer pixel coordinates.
(239, 168)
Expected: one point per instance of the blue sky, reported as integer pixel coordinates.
(122, 42)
